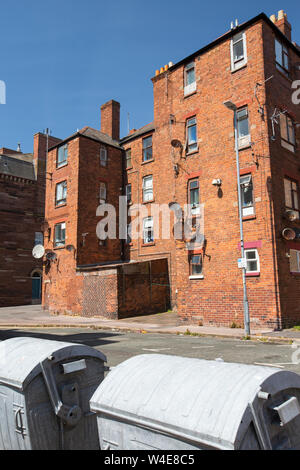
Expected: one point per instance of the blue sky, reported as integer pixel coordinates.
(61, 60)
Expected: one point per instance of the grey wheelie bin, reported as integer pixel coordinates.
(173, 403)
(45, 388)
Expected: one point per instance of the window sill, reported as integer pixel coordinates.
(252, 274)
(288, 146)
(192, 153)
(59, 247)
(149, 202)
(239, 67)
(57, 206)
(58, 167)
(187, 95)
(284, 73)
(196, 276)
(129, 168)
(147, 161)
(148, 244)
(249, 217)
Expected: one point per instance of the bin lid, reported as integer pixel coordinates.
(204, 401)
(20, 357)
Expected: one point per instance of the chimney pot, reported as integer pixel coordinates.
(273, 18)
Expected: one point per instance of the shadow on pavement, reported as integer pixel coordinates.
(90, 339)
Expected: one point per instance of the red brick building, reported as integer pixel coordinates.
(22, 201)
(187, 155)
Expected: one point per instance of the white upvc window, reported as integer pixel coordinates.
(291, 196)
(196, 263)
(61, 193)
(253, 264)
(62, 155)
(38, 238)
(128, 193)
(191, 135)
(282, 57)
(102, 192)
(60, 234)
(238, 51)
(189, 79)
(148, 188)
(247, 195)
(243, 132)
(294, 261)
(148, 232)
(103, 156)
(287, 132)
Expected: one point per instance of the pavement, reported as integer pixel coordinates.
(33, 316)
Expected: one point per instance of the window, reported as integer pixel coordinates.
(191, 135)
(291, 196)
(128, 193)
(103, 156)
(61, 193)
(148, 188)
(243, 127)
(128, 158)
(148, 235)
(287, 132)
(60, 234)
(194, 196)
(102, 192)
(195, 265)
(189, 79)
(294, 261)
(38, 238)
(147, 149)
(247, 195)
(252, 261)
(238, 51)
(282, 57)
(62, 155)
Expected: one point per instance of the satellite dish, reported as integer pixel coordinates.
(51, 256)
(176, 143)
(38, 251)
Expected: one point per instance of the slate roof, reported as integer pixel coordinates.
(143, 130)
(93, 134)
(17, 167)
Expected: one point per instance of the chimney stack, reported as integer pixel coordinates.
(282, 23)
(110, 119)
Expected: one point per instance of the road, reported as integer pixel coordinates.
(119, 346)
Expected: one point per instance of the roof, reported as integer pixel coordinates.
(232, 32)
(15, 165)
(143, 130)
(92, 134)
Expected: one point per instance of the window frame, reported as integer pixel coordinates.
(287, 142)
(145, 239)
(38, 238)
(188, 126)
(128, 159)
(147, 190)
(294, 195)
(247, 210)
(245, 140)
(238, 63)
(252, 272)
(194, 210)
(102, 186)
(65, 149)
(62, 241)
(146, 147)
(63, 201)
(103, 151)
(284, 53)
(127, 193)
(195, 275)
(297, 255)
(189, 88)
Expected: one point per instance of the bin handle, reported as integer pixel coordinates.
(69, 414)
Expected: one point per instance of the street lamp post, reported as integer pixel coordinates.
(233, 108)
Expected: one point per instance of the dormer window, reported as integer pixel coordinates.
(189, 79)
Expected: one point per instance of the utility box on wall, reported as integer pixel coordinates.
(45, 388)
